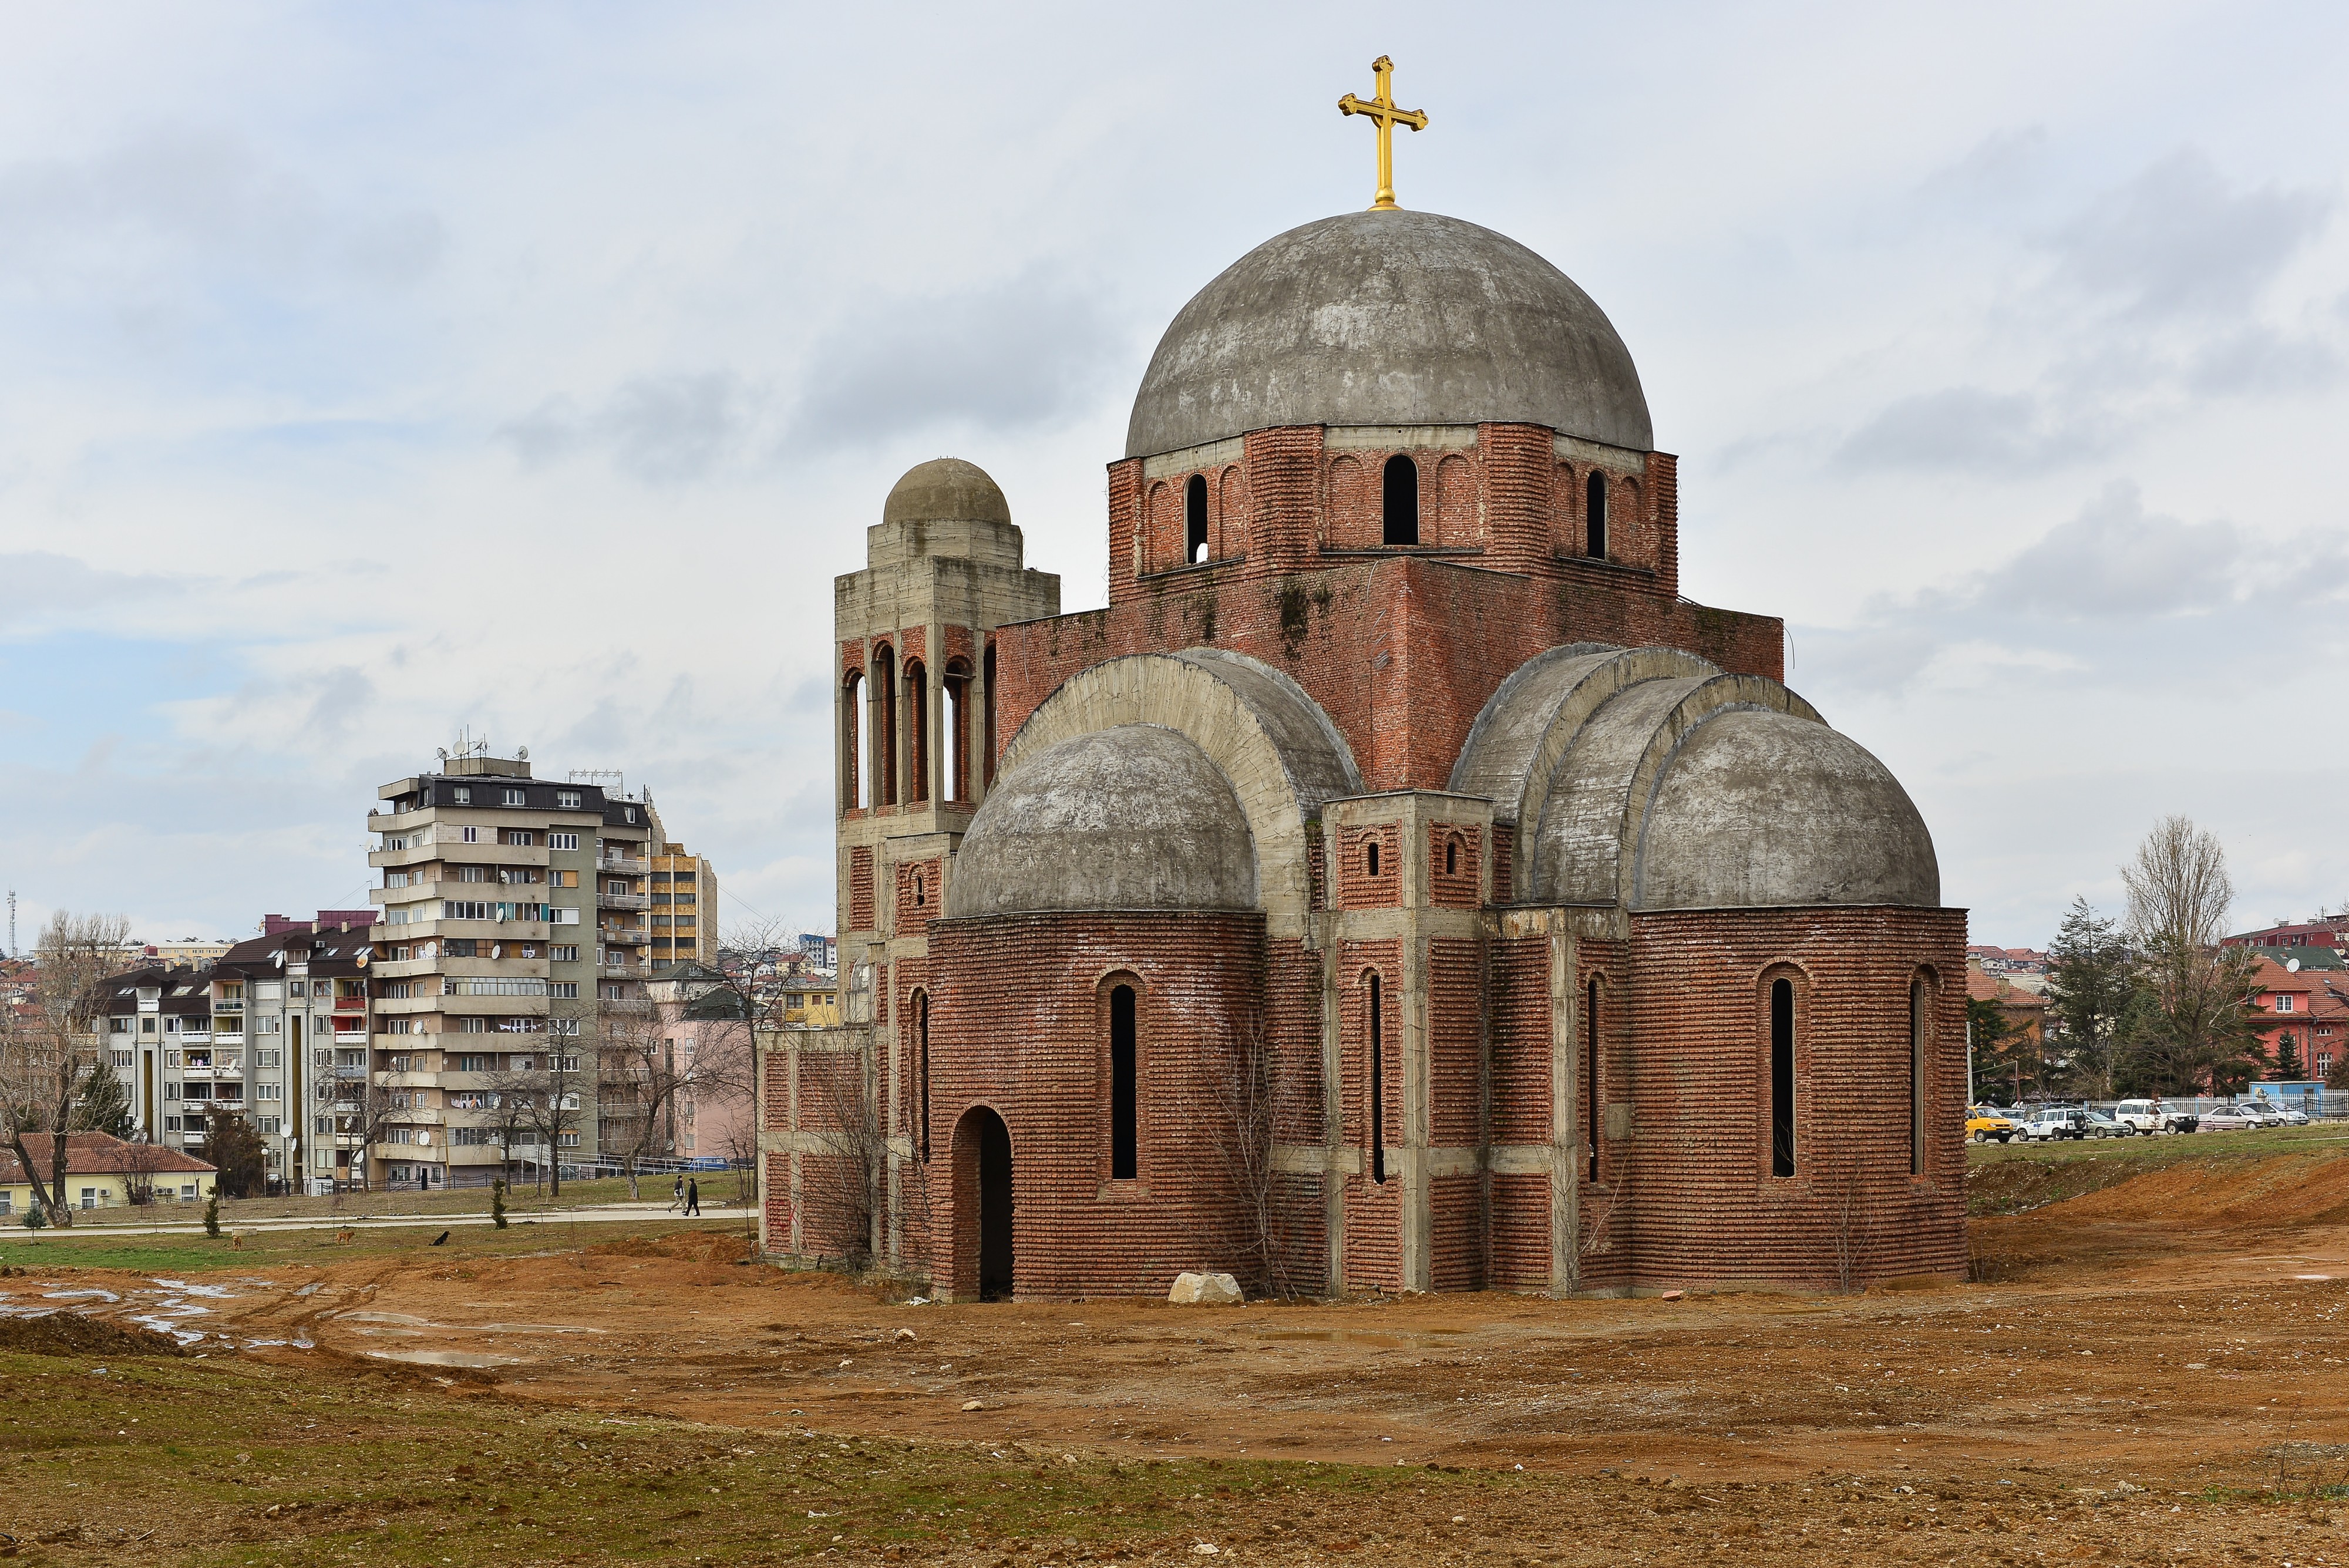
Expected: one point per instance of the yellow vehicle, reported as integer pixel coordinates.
(1984, 1122)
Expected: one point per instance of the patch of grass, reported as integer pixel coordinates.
(233, 1461)
(96, 1249)
(2008, 1179)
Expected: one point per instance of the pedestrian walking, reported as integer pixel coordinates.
(693, 1198)
(675, 1197)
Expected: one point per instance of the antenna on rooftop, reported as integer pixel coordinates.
(12, 922)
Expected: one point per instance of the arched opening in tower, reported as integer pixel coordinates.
(1402, 501)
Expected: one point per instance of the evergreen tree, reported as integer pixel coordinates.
(2288, 1067)
(105, 1104)
(2089, 984)
(238, 1153)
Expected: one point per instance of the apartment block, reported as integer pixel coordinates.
(275, 1029)
(683, 907)
(513, 918)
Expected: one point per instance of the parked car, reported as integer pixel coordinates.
(2280, 1114)
(2226, 1118)
(2152, 1116)
(2102, 1126)
(1986, 1122)
(2262, 1112)
(2049, 1122)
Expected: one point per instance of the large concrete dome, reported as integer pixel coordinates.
(946, 490)
(1133, 817)
(1388, 318)
(1760, 809)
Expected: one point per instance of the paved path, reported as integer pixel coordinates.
(602, 1214)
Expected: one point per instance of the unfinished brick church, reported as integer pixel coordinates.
(1397, 789)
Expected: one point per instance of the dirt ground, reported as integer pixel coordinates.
(2152, 1370)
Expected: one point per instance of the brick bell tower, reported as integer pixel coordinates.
(914, 745)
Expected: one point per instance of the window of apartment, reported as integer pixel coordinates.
(629, 814)
(563, 952)
(123, 1058)
(472, 1064)
(293, 988)
(267, 1058)
(563, 841)
(571, 1141)
(567, 800)
(171, 1123)
(472, 834)
(564, 990)
(462, 794)
(2284, 1004)
(510, 797)
(268, 1092)
(267, 1126)
(118, 1026)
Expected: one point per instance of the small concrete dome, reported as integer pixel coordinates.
(1134, 817)
(946, 490)
(1762, 809)
(1388, 318)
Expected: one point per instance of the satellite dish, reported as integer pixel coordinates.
(497, 950)
(521, 753)
(2291, 966)
(281, 958)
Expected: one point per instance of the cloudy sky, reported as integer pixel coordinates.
(368, 370)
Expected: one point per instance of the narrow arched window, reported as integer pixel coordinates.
(1452, 857)
(1920, 1009)
(884, 726)
(958, 685)
(917, 732)
(1402, 501)
(1590, 1077)
(1370, 857)
(987, 716)
(855, 780)
(918, 891)
(1125, 1139)
(1378, 1084)
(1194, 518)
(1782, 1077)
(1594, 516)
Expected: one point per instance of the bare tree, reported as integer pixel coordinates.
(47, 1055)
(2199, 1027)
(545, 1093)
(845, 1175)
(1243, 1122)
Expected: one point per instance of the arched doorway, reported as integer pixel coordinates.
(982, 1153)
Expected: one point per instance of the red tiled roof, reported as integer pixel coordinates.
(98, 1154)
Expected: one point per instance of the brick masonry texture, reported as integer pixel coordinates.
(1655, 1170)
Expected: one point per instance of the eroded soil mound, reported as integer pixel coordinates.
(687, 1246)
(69, 1333)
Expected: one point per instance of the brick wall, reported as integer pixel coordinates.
(1359, 886)
(1709, 1209)
(918, 886)
(1455, 862)
(1401, 651)
(1037, 980)
(1455, 1043)
(860, 888)
(1374, 1208)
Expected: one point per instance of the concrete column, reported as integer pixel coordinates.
(1565, 1078)
(1333, 1091)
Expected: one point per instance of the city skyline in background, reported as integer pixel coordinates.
(375, 375)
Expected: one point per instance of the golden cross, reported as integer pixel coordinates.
(1386, 116)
